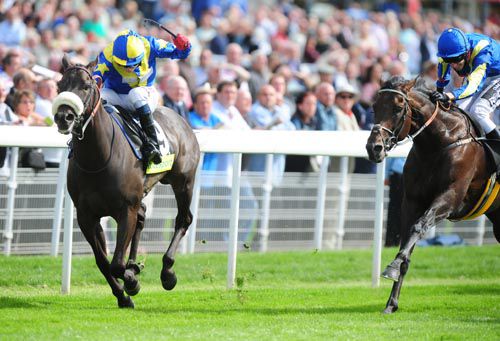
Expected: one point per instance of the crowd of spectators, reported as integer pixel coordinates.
(262, 65)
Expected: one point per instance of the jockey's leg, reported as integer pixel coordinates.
(484, 106)
(151, 148)
(145, 100)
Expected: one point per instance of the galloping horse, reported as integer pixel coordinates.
(446, 172)
(106, 179)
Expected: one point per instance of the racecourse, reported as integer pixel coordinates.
(449, 293)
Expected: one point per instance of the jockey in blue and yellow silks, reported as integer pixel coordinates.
(126, 71)
(477, 58)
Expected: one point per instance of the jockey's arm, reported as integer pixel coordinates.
(164, 49)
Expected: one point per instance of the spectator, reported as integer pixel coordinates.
(175, 90)
(201, 71)
(259, 72)
(24, 107)
(303, 119)
(202, 118)
(11, 63)
(224, 107)
(24, 79)
(12, 27)
(265, 115)
(232, 69)
(371, 84)
(46, 92)
(244, 103)
(346, 120)
(7, 117)
(284, 102)
(325, 111)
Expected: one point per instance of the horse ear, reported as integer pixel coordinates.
(65, 62)
(91, 66)
(409, 85)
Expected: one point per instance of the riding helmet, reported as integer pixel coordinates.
(128, 48)
(452, 43)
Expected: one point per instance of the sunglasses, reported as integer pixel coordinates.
(454, 60)
(345, 96)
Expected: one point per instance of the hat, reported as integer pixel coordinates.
(347, 88)
(204, 89)
(326, 69)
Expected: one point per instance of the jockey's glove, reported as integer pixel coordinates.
(181, 42)
(437, 96)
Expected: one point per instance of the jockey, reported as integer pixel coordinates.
(127, 69)
(477, 58)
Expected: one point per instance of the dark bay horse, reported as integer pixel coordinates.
(445, 173)
(105, 178)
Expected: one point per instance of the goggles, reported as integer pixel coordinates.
(456, 59)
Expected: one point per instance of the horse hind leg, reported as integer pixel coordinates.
(94, 234)
(183, 190)
(132, 285)
(494, 217)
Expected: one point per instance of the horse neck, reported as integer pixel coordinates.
(444, 129)
(95, 147)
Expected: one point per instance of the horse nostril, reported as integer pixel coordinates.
(378, 148)
(70, 117)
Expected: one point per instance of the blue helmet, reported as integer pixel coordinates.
(452, 43)
(128, 48)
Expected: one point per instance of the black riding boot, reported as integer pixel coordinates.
(151, 148)
(493, 135)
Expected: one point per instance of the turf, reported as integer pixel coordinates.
(449, 293)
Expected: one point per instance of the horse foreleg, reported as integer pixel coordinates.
(440, 209)
(126, 230)
(132, 285)
(93, 232)
(183, 195)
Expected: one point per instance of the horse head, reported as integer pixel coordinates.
(392, 117)
(78, 97)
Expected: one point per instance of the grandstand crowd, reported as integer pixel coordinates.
(253, 65)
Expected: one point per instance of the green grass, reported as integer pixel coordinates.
(449, 293)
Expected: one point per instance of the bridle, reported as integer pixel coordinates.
(91, 105)
(398, 136)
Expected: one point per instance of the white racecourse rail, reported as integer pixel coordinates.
(326, 143)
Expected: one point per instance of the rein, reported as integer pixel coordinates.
(393, 139)
(94, 105)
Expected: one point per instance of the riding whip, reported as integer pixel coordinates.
(157, 24)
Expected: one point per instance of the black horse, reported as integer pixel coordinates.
(446, 171)
(106, 179)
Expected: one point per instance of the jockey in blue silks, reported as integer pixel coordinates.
(477, 58)
(126, 69)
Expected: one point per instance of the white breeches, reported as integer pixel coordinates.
(482, 105)
(136, 98)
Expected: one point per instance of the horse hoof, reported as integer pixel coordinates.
(391, 273)
(132, 289)
(126, 302)
(390, 310)
(131, 284)
(168, 280)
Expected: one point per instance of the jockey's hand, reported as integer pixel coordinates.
(437, 96)
(181, 42)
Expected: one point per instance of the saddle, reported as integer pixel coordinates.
(136, 137)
